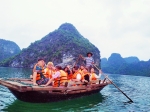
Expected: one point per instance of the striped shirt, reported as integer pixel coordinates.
(89, 61)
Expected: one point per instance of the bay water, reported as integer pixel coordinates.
(110, 99)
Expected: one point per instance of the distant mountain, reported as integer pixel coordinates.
(60, 46)
(129, 66)
(131, 59)
(104, 62)
(141, 68)
(115, 64)
(8, 49)
(115, 60)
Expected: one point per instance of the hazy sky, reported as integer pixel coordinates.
(114, 26)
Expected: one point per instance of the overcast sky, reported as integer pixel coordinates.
(114, 26)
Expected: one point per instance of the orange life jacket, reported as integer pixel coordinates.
(82, 76)
(69, 76)
(60, 80)
(93, 76)
(56, 82)
(38, 77)
(80, 71)
(74, 76)
(63, 77)
(48, 73)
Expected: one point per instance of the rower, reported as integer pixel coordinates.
(89, 60)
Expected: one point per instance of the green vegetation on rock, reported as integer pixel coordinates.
(63, 42)
(8, 49)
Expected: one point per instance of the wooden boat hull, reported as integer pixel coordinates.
(45, 96)
(37, 94)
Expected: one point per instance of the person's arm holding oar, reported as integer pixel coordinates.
(114, 85)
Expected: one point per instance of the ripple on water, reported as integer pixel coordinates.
(6, 97)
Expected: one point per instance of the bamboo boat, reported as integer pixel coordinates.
(23, 90)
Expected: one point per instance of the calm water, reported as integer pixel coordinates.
(108, 100)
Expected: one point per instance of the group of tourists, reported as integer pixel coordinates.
(57, 76)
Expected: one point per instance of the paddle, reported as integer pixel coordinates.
(115, 85)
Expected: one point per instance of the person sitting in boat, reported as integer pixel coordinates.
(77, 74)
(76, 77)
(93, 75)
(49, 70)
(81, 68)
(89, 60)
(68, 71)
(80, 76)
(85, 76)
(38, 75)
(31, 76)
(73, 70)
(58, 78)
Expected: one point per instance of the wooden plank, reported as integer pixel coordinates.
(15, 85)
(72, 88)
(29, 88)
(97, 85)
(94, 81)
(76, 83)
(75, 88)
(73, 92)
(89, 89)
(83, 91)
(19, 79)
(12, 86)
(9, 85)
(47, 88)
(57, 93)
(27, 82)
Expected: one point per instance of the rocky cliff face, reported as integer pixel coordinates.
(8, 49)
(60, 46)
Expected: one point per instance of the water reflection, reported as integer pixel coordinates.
(87, 103)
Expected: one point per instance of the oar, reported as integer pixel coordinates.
(115, 85)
